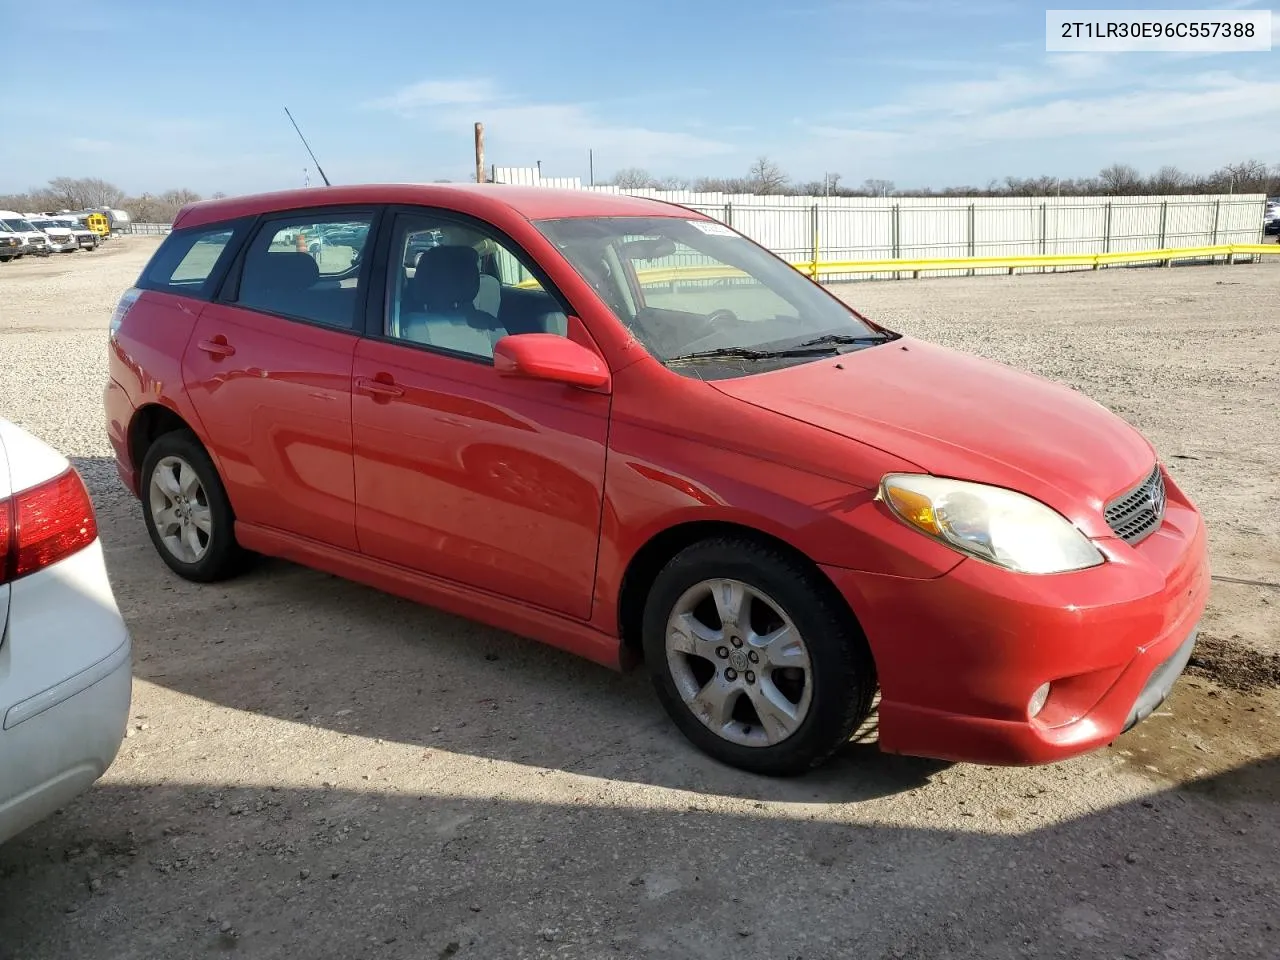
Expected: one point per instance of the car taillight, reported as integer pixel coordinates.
(45, 524)
(129, 298)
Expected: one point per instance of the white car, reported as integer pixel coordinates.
(61, 238)
(65, 653)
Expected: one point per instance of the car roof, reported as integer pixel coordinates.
(478, 199)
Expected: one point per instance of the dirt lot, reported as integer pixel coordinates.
(318, 770)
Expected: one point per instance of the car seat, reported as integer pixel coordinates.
(439, 304)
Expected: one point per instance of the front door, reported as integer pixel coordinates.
(460, 473)
(269, 373)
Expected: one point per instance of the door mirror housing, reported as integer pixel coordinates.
(549, 356)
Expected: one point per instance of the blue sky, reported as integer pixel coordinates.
(154, 95)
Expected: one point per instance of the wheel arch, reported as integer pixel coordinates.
(149, 423)
(659, 549)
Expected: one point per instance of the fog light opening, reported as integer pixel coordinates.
(1037, 701)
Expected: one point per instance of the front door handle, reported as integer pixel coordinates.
(217, 347)
(378, 388)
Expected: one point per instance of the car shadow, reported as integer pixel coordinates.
(299, 645)
(179, 870)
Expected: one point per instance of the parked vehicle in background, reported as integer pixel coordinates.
(98, 223)
(418, 244)
(1271, 217)
(118, 219)
(65, 663)
(33, 241)
(95, 220)
(653, 437)
(11, 246)
(61, 239)
(85, 238)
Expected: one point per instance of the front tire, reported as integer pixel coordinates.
(754, 658)
(187, 512)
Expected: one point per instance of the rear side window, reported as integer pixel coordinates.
(190, 261)
(308, 267)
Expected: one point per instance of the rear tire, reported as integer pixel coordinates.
(187, 512)
(732, 691)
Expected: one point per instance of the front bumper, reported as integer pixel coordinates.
(960, 656)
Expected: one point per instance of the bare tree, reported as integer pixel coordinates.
(766, 177)
(633, 178)
(79, 193)
(877, 188)
(1167, 180)
(1120, 178)
(150, 208)
(1247, 176)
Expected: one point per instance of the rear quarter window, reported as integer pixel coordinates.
(191, 262)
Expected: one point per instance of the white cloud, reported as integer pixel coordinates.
(523, 129)
(437, 93)
(1215, 101)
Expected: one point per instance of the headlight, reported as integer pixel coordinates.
(997, 525)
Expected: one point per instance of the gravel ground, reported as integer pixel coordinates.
(316, 769)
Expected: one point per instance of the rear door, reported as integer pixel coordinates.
(269, 372)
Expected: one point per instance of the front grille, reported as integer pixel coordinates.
(37, 241)
(1135, 515)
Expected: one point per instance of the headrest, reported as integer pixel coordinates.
(447, 278)
(287, 270)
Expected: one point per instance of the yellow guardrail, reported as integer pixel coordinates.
(916, 265)
(1229, 251)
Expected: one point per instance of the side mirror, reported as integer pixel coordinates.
(549, 356)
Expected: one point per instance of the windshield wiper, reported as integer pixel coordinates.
(742, 353)
(844, 338)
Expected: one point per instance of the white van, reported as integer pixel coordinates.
(86, 238)
(61, 238)
(33, 240)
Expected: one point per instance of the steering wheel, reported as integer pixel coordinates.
(722, 316)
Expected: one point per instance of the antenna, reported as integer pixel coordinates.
(308, 146)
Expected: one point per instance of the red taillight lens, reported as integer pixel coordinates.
(45, 524)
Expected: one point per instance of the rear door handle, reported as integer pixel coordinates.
(217, 347)
(378, 388)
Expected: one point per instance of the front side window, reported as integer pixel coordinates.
(696, 293)
(307, 268)
(459, 288)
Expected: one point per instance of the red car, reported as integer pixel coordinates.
(622, 428)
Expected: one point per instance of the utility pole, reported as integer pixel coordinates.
(591, 167)
(539, 163)
(479, 153)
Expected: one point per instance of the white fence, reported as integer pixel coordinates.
(826, 229)
(147, 229)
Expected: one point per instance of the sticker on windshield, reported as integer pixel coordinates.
(711, 228)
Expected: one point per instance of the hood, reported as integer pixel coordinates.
(957, 415)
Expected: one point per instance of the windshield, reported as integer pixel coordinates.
(20, 226)
(694, 287)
